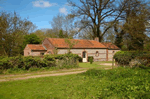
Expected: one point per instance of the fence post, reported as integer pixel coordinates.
(112, 62)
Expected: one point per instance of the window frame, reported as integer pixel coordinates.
(97, 54)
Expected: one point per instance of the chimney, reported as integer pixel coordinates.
(97, 39)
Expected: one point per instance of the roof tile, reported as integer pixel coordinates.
(110, 46)
(36, 47)
(61, 43)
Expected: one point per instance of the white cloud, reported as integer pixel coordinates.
(43, 4)
(63, 10)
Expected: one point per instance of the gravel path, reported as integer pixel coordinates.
(44, 75)
(108, 64)
(52, 73)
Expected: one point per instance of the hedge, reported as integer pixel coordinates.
(22, 62)
(125, 57)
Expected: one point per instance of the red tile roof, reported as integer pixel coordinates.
(36, 47)
(110, 46)
(61, 43)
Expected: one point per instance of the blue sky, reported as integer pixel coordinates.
(40, 12)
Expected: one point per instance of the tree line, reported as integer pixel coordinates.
(123, 22)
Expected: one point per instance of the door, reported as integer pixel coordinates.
(84, 56)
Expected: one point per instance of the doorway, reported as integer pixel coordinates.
(84, 56)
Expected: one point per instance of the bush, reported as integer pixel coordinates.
(91, 60)
(137, 62)
(34, 63)
(80, 59)
(5, 64)
(125, 57)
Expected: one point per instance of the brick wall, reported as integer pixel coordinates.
(110, 54)
(90, 52)
(27, 51)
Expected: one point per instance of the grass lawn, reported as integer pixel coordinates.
(94, 65)
(120, 83)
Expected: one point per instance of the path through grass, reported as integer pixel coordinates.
(118, 83)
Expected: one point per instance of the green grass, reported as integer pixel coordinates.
(10, 76)
(120, 83)
(93, 65)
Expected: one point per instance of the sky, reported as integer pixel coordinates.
(39, 12)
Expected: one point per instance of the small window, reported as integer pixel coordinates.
(28, 53)
(97, 54)
(84, 54)
(42, 54)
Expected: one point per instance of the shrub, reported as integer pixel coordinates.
(5, 64)
(91, 60)
(68, 61)
(137, 62)
(80, 59)
(124, 57)
(34, 63)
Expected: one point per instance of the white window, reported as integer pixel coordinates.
(97, 54)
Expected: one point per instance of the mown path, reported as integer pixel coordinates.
(46, 74)
(42, 75)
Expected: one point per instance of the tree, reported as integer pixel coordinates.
(61, 35)
(131, 26)
(12, 32)
(64, 23)
(40, 34)
(95, 14)
(70, 43)
(29, 39)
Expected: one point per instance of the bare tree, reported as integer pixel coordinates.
(95, 14)
(64, 23)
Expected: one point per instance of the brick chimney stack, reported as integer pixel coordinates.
(97, 39)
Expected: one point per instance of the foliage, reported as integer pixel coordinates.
(120, 83)
(49, 61)
(13, 29)
(70, 43)
(32, 39)
(137, 62)
(90, 59)
(94, 14)
(61, 35)
(80, 59)
(132, 25)
(125, 57)
(40, 34)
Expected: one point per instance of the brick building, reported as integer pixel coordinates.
(82, 47)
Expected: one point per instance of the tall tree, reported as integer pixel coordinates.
(95, 14)
(12, 32)
(64, 23)
(40, 34)
(133, 24)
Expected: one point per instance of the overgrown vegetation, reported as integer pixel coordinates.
(126, 58)
(120, 83)
(32, 63)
